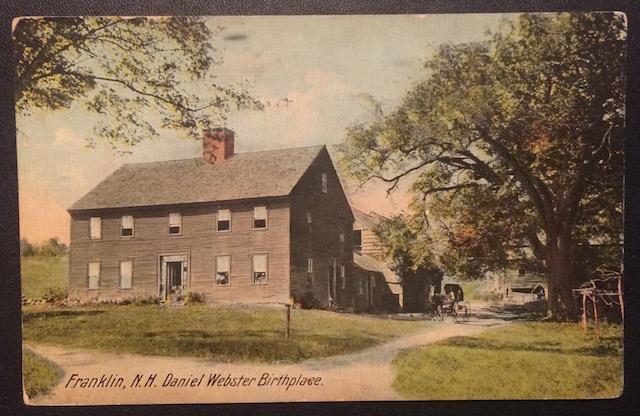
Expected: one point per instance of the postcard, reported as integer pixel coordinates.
(248, 209)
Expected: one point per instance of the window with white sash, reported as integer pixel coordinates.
(126, 274)
(95, 228)
(259, 266)
(126, 229)
(175, 223)
(224, 220)
(259, 218)
(223, 270)
(93, 281)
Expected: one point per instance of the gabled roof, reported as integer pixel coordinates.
(373, 265)
(368, 221)
(244, 175)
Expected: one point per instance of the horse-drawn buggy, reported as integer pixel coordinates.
(451, 303)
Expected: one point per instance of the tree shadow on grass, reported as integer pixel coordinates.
(609, 347)
(31, 316)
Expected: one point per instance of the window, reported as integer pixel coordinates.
(175, 223)
(259, 268)
(360, 286)
(94, 275)
(308, 217)
(340, 233)
(342, 276)
(357, 238)
(126, 229)
(126, 274)
(95, 228)
(259, 217)
(324, 183)
(309, 265)
(224, 220)
(223, 267)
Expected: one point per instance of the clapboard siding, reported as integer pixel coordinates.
(319, 240)
(199, 240)
(371, 244)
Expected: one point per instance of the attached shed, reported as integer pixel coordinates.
(378, 288)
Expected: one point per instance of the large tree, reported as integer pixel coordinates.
(513, 142)
(138, 74)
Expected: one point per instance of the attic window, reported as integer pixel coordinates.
(224, 220)
(308, 217)
(324, 183)
(175, 223)
(223, 267)
(340, 233)
(309, 265)
(126, 229)
(95, 228)
(259, 217)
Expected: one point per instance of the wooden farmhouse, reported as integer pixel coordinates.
(258, 227)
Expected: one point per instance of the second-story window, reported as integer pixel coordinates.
(224, 220)
(175, 223)
(126, 230)
(95, 228)
(259, 218)
(309, 265)
(324, 183)
(308, 217)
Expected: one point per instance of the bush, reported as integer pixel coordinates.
(55, 294)
(193, 298)
(308, 301)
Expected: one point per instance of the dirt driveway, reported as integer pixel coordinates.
(365, 375)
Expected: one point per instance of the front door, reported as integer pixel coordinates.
(173, 272)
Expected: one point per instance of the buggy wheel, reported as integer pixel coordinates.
(467, 312)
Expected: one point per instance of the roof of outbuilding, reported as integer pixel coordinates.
(244, 175)
(368, 221)
(371, 264)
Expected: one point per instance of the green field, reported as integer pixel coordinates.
(38, 373)
(43, 274)
(226, 333)
(522, 361)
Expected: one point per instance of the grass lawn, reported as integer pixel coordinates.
(38, 373)
(40, 274)
(522, 361)
(229, 333)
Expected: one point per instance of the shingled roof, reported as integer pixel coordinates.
(244, 175)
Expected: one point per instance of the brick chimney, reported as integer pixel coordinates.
(217, 144)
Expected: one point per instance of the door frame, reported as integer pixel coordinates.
(165, 257)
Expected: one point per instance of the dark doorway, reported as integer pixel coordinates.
(174, 276)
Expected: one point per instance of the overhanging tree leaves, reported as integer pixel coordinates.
(512, 142)
(139, 74)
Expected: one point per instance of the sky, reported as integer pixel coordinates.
(324, 66)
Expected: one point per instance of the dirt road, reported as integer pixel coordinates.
(365, 375)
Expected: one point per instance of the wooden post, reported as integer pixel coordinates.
(620, 298)
(584, 311)
(287, 321)
(595, 317)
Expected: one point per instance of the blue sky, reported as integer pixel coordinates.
(323, 64)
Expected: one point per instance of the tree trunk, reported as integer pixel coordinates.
(561, 279)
